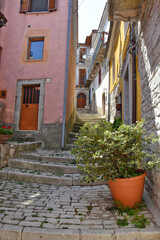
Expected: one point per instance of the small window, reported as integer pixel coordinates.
(38, 5)
(35, 49)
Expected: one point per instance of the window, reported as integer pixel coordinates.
(82, 73)
(38, 5)
(81, 54)
(35, 49)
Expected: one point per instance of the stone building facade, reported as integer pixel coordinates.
(149, 69)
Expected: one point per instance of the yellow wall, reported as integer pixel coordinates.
(120, 49)
(138, 94)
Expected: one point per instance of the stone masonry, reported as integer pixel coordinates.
(149, 69)
(39, 211)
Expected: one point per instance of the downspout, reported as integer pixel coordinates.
(133, 75)
(66, 76)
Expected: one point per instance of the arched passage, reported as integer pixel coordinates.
(81, 100)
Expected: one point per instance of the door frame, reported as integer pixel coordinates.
(20, 84)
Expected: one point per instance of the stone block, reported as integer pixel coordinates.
(144, 234)
(49, 234)
(11, 232)
(96, 234)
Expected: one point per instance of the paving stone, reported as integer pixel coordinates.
(70, 221)
(30, 224)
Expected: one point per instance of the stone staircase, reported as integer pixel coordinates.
(42, 166)
(36, 165)
(81, 119)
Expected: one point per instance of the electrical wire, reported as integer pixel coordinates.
(78, 7)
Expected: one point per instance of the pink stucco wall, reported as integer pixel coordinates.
(13, 67)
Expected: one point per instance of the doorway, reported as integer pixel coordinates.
(29, 107)
(81, 100)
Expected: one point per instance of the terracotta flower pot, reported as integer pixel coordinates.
(128, 191)
(4, 138)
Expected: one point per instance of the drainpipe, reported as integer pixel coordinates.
(66, 76)
(133, 75)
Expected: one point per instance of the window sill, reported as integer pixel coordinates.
(44, 12)
(34, 60)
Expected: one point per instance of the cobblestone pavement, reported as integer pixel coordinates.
(56, 207)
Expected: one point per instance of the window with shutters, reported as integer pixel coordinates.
(38, 5)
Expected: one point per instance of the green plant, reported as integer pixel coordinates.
(50, 209)
(122, 222)
(89, 208)
(117, 123)
(35, 215)
(6, 130)
(106, 153)
(140, 221)
(131, 214)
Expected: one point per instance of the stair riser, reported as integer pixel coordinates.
(72, 140)
(43, 168)
(73, 135)
(46, 180)
(29, 147)
(47, 159)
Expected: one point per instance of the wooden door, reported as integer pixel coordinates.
(29, 107)
(81, 100)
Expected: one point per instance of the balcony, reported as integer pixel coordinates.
(97, 59)
(125, 10)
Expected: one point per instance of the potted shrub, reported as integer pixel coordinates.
(5, 133)
(119, 155)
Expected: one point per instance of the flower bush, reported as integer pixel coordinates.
(6, 130)
(106, 152)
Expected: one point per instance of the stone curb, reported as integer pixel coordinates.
(11, 232)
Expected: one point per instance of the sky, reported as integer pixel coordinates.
(90, 12)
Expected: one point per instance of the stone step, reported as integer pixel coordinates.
(72, 140)
(43, 166)
(73, 135)
(34, 176)
(69, 146)
(26, 146)
(56, 158)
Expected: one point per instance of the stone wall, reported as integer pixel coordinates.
(149, 69)
(7, 151)
(113, 96)
(12, 150)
